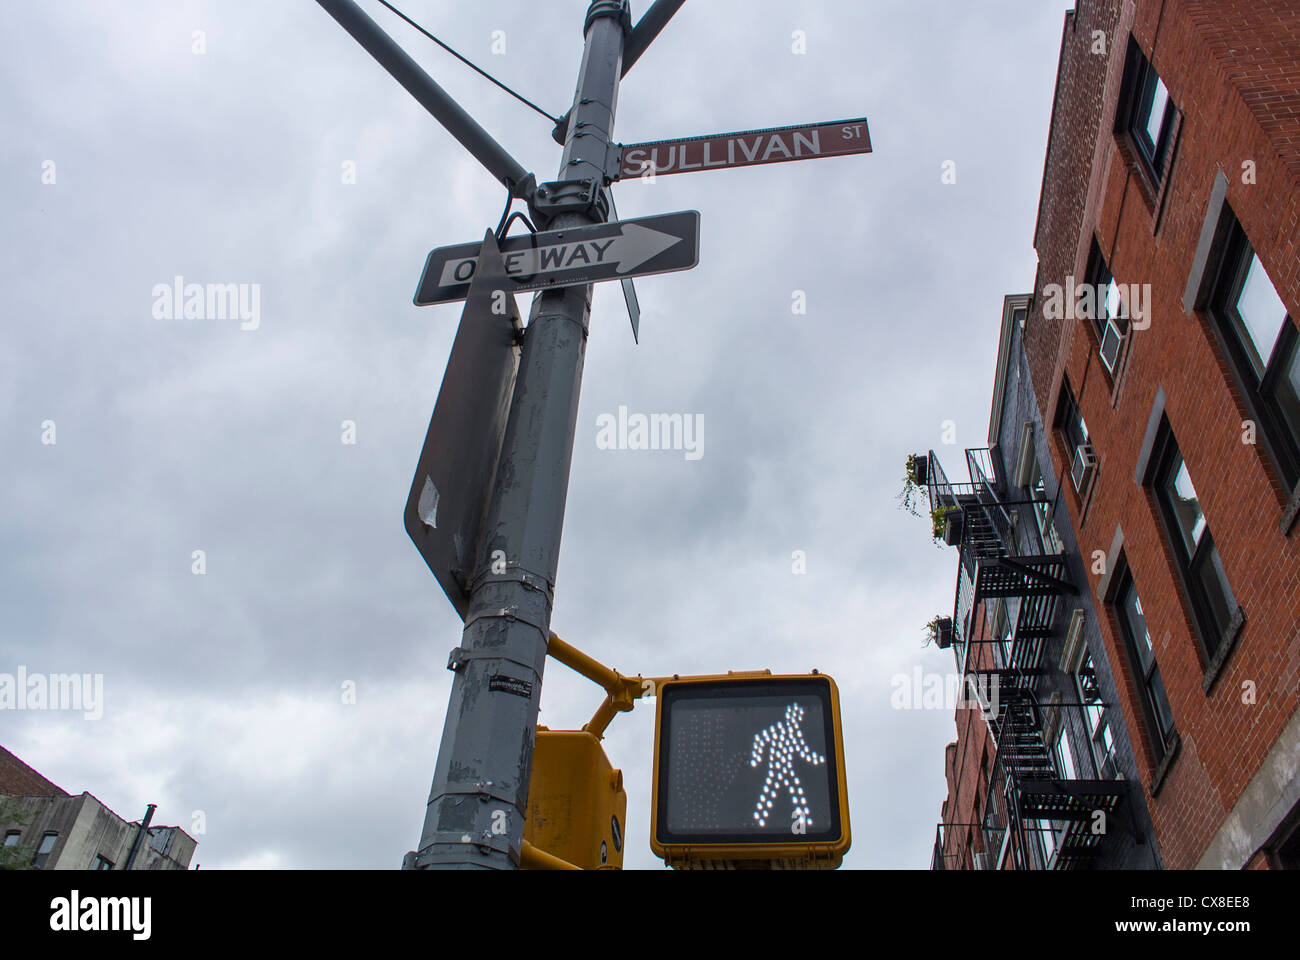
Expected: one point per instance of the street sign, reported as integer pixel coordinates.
(629, 288)
(749, 768)
(453, 480)
(565, 258)
(747, 148)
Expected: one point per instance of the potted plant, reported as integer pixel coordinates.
(939, 632)
(952, 527)
(939, 523)
(918, 469)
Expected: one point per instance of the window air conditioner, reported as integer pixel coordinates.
(1083, 467)
(1112, 342)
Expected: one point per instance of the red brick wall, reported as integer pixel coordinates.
(1231, 67)
(1254, 43)
(973, 751)
(1076, 114)
(19, 780)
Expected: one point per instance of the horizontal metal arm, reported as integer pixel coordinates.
(431, 96)
(622, 692)
(532, 858)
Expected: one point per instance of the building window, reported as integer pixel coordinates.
(1285, 844)
(1047, 535)
(1146, 114)
(1104, 291)
(1064, 756)
(1196, 557)
(1078, 448)
(11, 838)
(1046, 831)
(1094, 712)
(103, 863)
(1264, 346)
(1071, 420)
(1137, 641)
(1002, 634)
(1109, 313)
(43, 851)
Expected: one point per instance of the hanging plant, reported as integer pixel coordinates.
(914, 483)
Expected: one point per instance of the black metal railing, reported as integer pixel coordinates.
(950, 859)
(1058, 821)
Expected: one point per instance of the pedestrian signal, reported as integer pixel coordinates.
(749, 772)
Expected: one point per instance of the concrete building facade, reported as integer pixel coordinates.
(42, 826)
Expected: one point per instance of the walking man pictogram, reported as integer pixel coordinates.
(783, 742)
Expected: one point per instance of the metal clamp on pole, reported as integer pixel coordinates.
(459, 657)
(618, 9)
(584, 196)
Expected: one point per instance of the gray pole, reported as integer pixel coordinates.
(475, 817)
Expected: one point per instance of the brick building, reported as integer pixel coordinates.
(42, 826)
(1162, 347)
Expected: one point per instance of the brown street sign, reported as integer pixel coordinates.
(746, 148)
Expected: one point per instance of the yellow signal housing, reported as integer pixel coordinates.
(577, 807)
(749, 773)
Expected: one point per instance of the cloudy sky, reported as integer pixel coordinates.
(223, 690)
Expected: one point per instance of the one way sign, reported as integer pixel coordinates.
(565, 258)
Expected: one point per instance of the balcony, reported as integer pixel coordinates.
(1000, 559)
(953, 859)
(1045, 817)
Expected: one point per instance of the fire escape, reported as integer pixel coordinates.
(1038, 813)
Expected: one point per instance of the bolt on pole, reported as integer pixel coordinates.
(478, 803)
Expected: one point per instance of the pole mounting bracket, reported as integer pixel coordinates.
(557, 197)
(459, 656)
(613, 162)
(620, 10)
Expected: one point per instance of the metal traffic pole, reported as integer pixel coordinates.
(477, 806)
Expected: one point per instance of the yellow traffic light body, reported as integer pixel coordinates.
(577, 807)
(749, 773)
